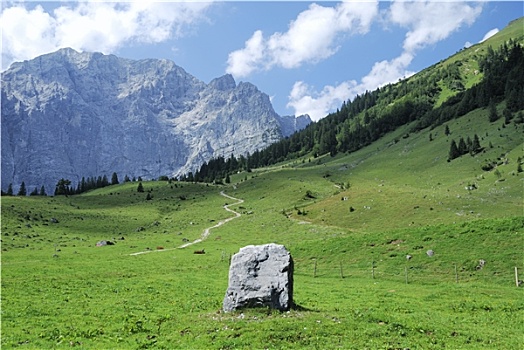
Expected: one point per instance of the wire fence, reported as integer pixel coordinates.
(409, 273)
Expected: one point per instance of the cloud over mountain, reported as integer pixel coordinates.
(92, 26)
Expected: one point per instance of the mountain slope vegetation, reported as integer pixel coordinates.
(349, 219)
(478, 77)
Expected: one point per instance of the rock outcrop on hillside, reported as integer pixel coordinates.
(69, 114)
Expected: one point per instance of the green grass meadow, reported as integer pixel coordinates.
(348, 221)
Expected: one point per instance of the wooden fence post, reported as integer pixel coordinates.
(516, 277)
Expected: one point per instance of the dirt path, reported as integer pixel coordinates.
(206, 232)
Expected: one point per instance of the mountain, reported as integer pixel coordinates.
(69, 114)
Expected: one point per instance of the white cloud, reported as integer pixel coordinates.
(304, 100)
(433, 22)
(310, 38)
(92, 26)
(428, 22)
(489, 34)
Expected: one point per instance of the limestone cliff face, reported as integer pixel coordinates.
(69, 114)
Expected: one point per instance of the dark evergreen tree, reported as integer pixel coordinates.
(228, 179)
(42, 191)
(453, 151)
(62, 187)
(114, 179)
(462, 147)
(507, 115)
(475, 147)
(34, 192)
(9, 190)
(22, 191)
(140, 187)
(126, 179)
(492, 110)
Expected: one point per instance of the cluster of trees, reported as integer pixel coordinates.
(464, 147)
(503, 75)
(22, 191)
(65, 186)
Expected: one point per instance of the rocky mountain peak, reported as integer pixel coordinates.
(74, 114)
(223, 83)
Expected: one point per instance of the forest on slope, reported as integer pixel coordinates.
(481, 76)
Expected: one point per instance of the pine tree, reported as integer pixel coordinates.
(446, 131)
(9, 190)
(34, 192)
(475, 147)
(507, 116)
(42, 191)
(140, 188)
(114, 179)
(462, 147)
(22, 191)
(453, 151)
(62, 187)
(493, 115)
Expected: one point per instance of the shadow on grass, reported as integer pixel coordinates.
(298, 307)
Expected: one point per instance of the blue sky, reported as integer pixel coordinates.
(307, 56)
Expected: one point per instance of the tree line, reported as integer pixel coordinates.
(65, 186)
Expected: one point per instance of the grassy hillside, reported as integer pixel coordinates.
(60, 290)
(349, 222)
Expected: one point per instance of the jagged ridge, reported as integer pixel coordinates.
(70, 114)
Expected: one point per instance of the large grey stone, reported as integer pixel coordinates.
(260, 276)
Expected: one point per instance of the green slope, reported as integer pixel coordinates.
(349, 222)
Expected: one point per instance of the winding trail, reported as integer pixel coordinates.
(206, 232)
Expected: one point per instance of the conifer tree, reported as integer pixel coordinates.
(462, 147)
(34, 192)
(22, 191)
(492, 110)
(453, 151)
(475, 146)
(140, 188)
(114, 179)
(62, 187)
(42, 191)
(9, 190)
